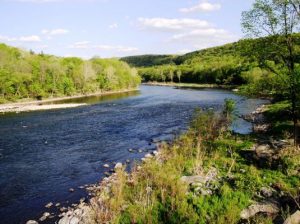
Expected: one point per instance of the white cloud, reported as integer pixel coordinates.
(53, 1)
(38, 1)
(32, 38)
(80, 45)
(44, 46)
(55, 32)
(203, 38)
(202, 7)
(7, 39)
(115, 48)
(189, 33)
(113, 26)
(165, 24)
(183, 51)
(103, 47)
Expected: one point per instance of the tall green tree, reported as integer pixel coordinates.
(278, 21)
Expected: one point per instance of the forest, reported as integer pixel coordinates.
(26, 74)
(233, 64)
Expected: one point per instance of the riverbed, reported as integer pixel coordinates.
(45, 153)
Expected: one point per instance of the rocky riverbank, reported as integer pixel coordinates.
(269, 184)
(191, 85)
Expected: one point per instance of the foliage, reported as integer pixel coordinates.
(274, 23)
(28, 75)
(154, 193)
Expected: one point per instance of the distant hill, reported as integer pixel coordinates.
(231, 64)
(148, 60)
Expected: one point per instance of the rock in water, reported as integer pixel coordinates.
(106, 166)
(293, 219)
(77, 216)
(148, 156)
(32, 222)
(49, 205)
(118, 166)
(45, 216)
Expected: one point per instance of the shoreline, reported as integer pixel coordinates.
(84, 210)
(47, 104)
(190, 85)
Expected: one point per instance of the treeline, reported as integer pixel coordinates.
(231, 64)
(148, 60)
(28, 75)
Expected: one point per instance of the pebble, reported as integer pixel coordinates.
(140, 150)
(57, 204)
(130, 150)
(49, 205)
(127, 161)
(71, 190)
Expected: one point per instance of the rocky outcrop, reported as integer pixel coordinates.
(266, 207)
(32, 222)
(293, 219)
(202, 184)
(78, 216)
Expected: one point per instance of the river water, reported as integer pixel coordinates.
(44, 153)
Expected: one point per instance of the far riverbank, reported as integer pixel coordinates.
(189, 85)
(48, 104)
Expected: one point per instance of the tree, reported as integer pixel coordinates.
(179, 74)
(277, 21)
(171, 74)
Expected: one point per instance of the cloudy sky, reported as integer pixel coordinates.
(114, 28)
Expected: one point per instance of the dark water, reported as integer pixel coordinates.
(43, 154)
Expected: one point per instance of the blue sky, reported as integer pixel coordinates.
(115, 28)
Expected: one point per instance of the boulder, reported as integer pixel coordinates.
(266, 192)
(49, 205)
(148, 156)
(193, 179)
(210, 176)
(293, 219)
(45, 216)
(263, 207)
(118, 166)
(78, 216)
(32, 222)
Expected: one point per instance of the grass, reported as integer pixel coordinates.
(279, 116)
(154, 193)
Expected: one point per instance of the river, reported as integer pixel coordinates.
(45, 153)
